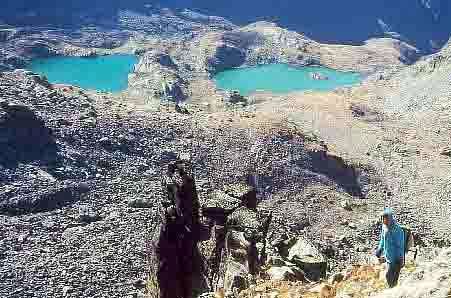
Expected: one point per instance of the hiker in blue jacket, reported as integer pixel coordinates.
(391, 247)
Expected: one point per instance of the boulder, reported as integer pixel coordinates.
(221, 203)
(220, 199)
(236, 97)
(285, 273)
(244, 248)
(218, 205)
(140, 203)
(283, 245)
(346, 205)
(309, 259)
(42, 80)
(244, 219)
(180, 107)
(336, 278)
(244, 192)
(276, 261)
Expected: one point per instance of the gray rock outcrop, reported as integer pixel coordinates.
(309, 259)
(156, 76)
(238, 237)
(178, 265)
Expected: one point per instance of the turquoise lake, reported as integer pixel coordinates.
(282, 78)
(103, 73)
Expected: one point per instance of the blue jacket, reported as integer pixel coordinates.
(391, 244)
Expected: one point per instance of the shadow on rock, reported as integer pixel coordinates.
(24, 137)
(47, 200)
(334, 167)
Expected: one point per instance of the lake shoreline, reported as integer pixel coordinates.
(108, 73)
(281, 78)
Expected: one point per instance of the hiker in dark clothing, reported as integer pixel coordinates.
(391, 247)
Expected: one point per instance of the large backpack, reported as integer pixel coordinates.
(408, 239)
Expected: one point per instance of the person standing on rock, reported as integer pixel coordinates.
(391, 247)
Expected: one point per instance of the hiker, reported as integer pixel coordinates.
(391, 247)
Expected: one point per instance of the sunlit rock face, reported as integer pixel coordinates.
(156, 76)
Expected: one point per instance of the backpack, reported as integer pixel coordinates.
(408, 239)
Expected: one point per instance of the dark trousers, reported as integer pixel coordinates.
(393, 273)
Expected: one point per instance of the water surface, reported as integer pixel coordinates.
(283, 78)
(102, 73)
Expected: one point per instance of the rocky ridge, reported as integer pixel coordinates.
(101, 35)
(198, 45)
(426, 25)
(201, 57)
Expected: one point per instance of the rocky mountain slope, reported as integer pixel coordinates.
(372, 125)
(80, 171)
(101, 35)
(80, 181)
(84, 198)
(426, 278)
(424, 23)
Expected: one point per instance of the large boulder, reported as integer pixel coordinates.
(309, 259)
(221, 203)
(284, 273)
(218, 205)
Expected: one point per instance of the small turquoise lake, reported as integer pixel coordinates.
(103, 73)
(283, 78)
